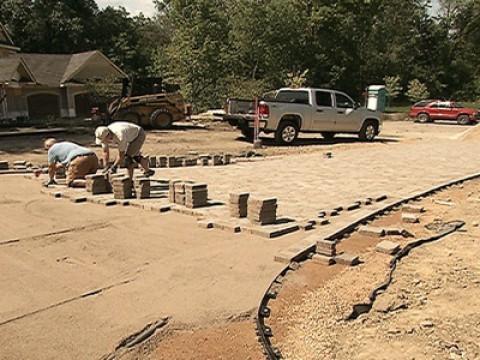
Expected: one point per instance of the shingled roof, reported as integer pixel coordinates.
(51, 69)
(5, 38)
(11, 66)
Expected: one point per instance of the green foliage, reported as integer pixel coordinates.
(220, 48)
(417, 91)
(296, 79)
(104, 90)
(392, 84)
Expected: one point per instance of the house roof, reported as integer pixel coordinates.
(5, 38)
(10, 66)
(54, 69)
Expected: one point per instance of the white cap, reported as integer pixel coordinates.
(100, 134)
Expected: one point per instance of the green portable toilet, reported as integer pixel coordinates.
(377, 98)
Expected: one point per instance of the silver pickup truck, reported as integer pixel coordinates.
(288, 112)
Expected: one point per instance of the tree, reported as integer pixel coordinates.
(392, 84)
(417, 91)
(296, 79)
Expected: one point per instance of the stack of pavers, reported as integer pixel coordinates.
(142, 188)
(4, 165)
(238, 205)
(204, 160)
(162, 161)
(171, 190)
(179, 193)
(20, 165)
(192, 161)
(227, 159)
(217, 160)
(174, 161)
(326, 251)
(262, 211)
(122, 188)
(152, 162)
(196, 195)
(97, 184)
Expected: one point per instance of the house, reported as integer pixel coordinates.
(48, 85)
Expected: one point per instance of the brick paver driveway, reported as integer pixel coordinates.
(305, 184)
(151, 265)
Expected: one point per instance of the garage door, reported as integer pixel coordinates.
(42, 106)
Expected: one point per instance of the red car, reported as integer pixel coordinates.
(431, 110)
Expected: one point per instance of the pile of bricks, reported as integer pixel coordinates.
(204, 160)
(142, 188)
(238, 205)
(152, 162)
(179, 193)
(262, 211)
(196, 195)
(171, 190)
(174, 161)
(217, 160)
(326, 248)
(227, 159)
(20, 165)
(97, 184)
(162, 161)
(122, 188)
(4, 165)
(190, 162)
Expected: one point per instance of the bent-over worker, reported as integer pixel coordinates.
(78, 160)
(129, 138)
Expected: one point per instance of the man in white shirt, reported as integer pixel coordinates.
(129, 138)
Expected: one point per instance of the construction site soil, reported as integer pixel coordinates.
(77, 279)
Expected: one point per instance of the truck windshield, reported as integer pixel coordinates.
(296, 97)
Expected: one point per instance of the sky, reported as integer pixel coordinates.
(148, 9)
(133, 6)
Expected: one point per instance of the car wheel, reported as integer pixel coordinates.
(161, 119)
(328, 135)
(369, 131)
(286, 133)
(423, 118)
(463, 120)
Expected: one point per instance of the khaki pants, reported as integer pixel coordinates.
(135, 147)
(82, 166)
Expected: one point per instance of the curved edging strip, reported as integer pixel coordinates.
(363, 308)
(264, 333)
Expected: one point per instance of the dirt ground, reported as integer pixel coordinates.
(220, 138)
(430, 311)
(148, 266)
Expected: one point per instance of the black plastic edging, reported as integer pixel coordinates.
(263, 312)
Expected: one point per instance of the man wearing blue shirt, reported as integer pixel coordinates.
(78, 160)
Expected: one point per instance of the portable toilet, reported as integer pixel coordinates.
(377, 98)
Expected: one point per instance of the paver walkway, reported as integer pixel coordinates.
(152, 265)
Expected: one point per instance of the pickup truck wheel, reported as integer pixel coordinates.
(463, 120)
(286, 133)
(369, 131)
(423, 118)
(328, 135)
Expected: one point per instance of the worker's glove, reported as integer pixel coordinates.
(49, 182)
(110, 170)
